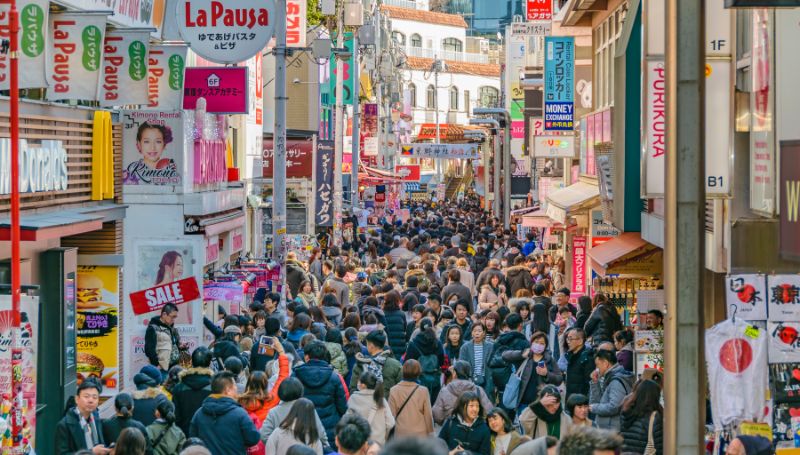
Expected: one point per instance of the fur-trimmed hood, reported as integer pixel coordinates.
(195, 370)
(150, 392)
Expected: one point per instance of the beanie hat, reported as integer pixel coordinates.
(233, 329)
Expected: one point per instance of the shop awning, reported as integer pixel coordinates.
(447, 132)
(52, 225)
(573, 198)
(627, 254)
(373, 176)
(538, 219)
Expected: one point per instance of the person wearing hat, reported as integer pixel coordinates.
(228, 346)
(749, 445)
(147, 395)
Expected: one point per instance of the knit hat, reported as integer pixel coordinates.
(148, 376)
(233, 329)
(755, 445)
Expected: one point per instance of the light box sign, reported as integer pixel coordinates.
(442, 151)
(559, 83)
(539, 10)
(789, 185)
(554, 146)
(224, 89)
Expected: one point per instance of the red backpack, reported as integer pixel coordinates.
(260, 448)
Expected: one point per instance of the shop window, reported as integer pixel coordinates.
(412, 94)
(606, 36)
(489, 97)
(452, 45)
(453, 98)
(416, 40)
(431, 98)
(399, 38)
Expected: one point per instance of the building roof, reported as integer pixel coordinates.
(475, 69)
(419, 15)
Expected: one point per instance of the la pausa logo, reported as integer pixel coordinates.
(219, 15)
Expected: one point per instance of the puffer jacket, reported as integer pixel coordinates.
(325, 388)
(501, 369)
(390, 369)
(579, 370)
(475, 439)
(189, 393)
(518, 277)
(338, 359)
(607, 394)
(145, 403)
(448, 397)
(635, 431)
(396, 332)
(602, 324)
(224, 426)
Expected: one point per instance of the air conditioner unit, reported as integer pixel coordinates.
(366, 35)
(353, 14)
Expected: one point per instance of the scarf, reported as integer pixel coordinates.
(544, 414)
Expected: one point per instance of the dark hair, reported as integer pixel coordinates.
(658, 313)
(376, 385)
(643, 400)
(351, 320)
(460, 335)
(462, 369)
(193, 442)
(574, 400)
(340, 270)
(222, 381)
(391, 301)
(540, 320)
(123, 403)
(302, 421)
(87, 384)
(290, 389)
(169, 308)
(415, 446)
(464, 303)
(542, 335)
(300, 321)
(608, 356)
(234, 365)
(376, 338)
(317, 315)
(538, 290)
(166, 410)
(582, 440)
(166, 132)
(550, 390)
(201, 357)
(411, 370)
(131, 442)
(464, 401)
(299, 449)
(168, 259)
(316, 350)
(454, 275)
(352, 432)
(334, 335)
(508, 426)
(624, 336)
(330, 300)
(513, 321)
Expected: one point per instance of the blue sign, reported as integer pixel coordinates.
(559, 83)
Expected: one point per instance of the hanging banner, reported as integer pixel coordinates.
(323, 184)
(152, 148)
(656, 127)
(559, 83)
(124, 75)
(408, 172)
(784, 342)
(347, 70)
(154, 299)
(579, 268)
(165, 68)
(33, 22)
(224, 89)
(97, 326)
(442, 151)
(539, 10)
(75, 55)
(747, 297)
(296, 23)
(369, 130)
(789, 185)
(762, 107)
(784, 297)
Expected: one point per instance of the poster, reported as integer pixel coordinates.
(784, 342)
(296, 23)
(784, 379)
(746, 296)
(783, 292)
(75, 55)
(124, 73)
(33, 35)
(97, 325)
(152, 148)
(161, 264)
(559, 83)
(165, 70)
(369, 130)
(762, 105)
(579, 266)
(323, 184)
(782, 421)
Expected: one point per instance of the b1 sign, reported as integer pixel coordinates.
(226, 31)
(224, 88)
(554, 146)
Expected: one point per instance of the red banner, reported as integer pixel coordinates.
(408, 172)
(153, 299)
(579, 269)
(299, 158)
(540, 10)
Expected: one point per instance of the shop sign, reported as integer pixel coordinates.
(518, 129)
(237, 240)
(209, 149)
(33, 33)
(296, 23)
(299, 158)
(124, 76)
(97, 325)
(127, 13)
(762, 96)
(783, 292)
(152, 148)
(347, 71)
(656, 124)
(532, 28)
(539, 10)
(224, 89)
(154, 299)
(230, 291)
(554, 146)
(789, 184)
(224, 31)
(212, 249)
(323, 184)
(165, 68)
(600, 228)
(408, 172)
(559, 83)
(645, 261)
(441, 151)
(579, 267)
(75, 54)
(42, 168)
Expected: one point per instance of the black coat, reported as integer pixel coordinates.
(69, 434)
(634, 433)
(518, 277)
(113, 427)
(579, 372)
(295, 275)
(396, 332)
(602, 324)
(500, 369)
(145, 403)
(325, 388)
(189, 393)
(475, 439)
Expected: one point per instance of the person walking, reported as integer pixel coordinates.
(123, 404)
(410, 404)
(538, 369)
(642, 419)
(81, 428)
(467, 430)
(608, 389)
(460, 384)
(477, 353)
(193, 387)
(290, 390)
(429, 352)
(580, 363)
(395, 323)
(505, 439)
(369, 402)
(546, 416)
(379, 360)
(299, 427)
(162, 342)
(164, 435)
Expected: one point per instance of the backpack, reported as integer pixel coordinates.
(431, 374)
(260, 448)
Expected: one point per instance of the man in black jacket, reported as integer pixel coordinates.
(81, 427)
(193, 388)
(161, 340)
(580, 363)
(323, 386)
(512, 340)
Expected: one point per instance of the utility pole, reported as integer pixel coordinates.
(279, 139)
(338, 136)
(436, 97)
(684, 221)
(356, 125)
(507, 172)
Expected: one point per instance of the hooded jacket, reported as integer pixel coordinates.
(607, 394)
(396, 332)
(501, 369)
(390, 368)
(534, 420)
(380, 420)
(189, 393)
(635, 431)
(295, 275)
(448, 397)
(224, 426)
(145, 403)
(518, 277)
(325, 388)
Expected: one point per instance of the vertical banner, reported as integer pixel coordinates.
(559, 83)
(762, 101)
(124, 76)
(75, 55)
(579, 269)
(789, 185)
(33, 36)
(97, 325)
(324, 184)
(538, 10)
(656, 127)
(152, 148)
(369, 132)
(296, 23)
(165, 68)
(347, 72)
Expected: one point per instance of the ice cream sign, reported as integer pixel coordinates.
(554, 146)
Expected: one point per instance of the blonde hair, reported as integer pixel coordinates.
(462, 262)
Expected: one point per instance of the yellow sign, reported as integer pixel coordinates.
(97, 326)
(645, 261)
(102, 157)
(755, 429)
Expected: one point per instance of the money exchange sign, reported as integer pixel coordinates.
(559, 83)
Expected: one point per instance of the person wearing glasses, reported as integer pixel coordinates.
(580, 362)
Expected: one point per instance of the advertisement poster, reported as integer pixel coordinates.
(789, 184)
(559, 83)
(162, 264)
(408, 172)
(579, 266)
(369, 130)
(762, 103)
(783, 292)
(33, 33)
(747, 297)
(97, 326)
(75, 55)
(165, 68)
(784, 342)
(152, 148)
(124, 74)
(323, 185)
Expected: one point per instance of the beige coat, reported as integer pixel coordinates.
(488, 298)
(380, 420)
(416, 418)
(534, 427)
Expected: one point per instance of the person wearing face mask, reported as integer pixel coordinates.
(545, 416)
(538, 368)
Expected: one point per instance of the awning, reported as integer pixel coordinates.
(627, 254)
(52, 225)
(537, 219)
(524, 210)
(372, 176)
(573, 198)
(447, 132)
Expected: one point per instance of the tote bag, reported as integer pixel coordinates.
(511, 393)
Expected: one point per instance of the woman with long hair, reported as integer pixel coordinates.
(331, 307)
(299, 427)
(170, 268)
(492, 321)
(504, 437)
(603, 322)
(493, 294)
(369, 403)
(131, 442)
(466, 430)
(453, 339)
(642, 415)
(584, 311)
(428, 350)
(395, 323)
(306, 293)
(258, 399)
(352, 346)
(123, 418)
(300, 325)
(165, 437)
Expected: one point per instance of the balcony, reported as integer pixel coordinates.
(446, 55)
(408, 4)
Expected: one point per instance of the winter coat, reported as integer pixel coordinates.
(518, 277)
(501, 369)
(171, 441)
(276, 416)
(454, 292)
(391, 369)
(338, 359)
(224, 426)
(258, 409)
(295, 275)
(485, 277)
(325, 388)
(467, 354)
(529, 374)
(161, 344)
(516, 441)
(189, 393)
(534, 424)
(280, 441)
(489, 298)
(475, 438)
(480, 264)
(468, 280)
(341, 290)
(420, 347)
(448, 397)
(580, 366)
(625, 357)
(416, 419)
(607, 394)
(635, 431)
(145, 403)
(381, 421)
(226, 348)
(113, 427)
(602, 324)
(70, 437)
(396, 332)
(581, 318)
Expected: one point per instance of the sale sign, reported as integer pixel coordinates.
(408, 172)
(154, 299)
(579, 269)
(539, 10)
(224, 89)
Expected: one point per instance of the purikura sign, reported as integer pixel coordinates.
(75, 55)
(154, 299)
(124, 77)
(226, 31)
(579, 269)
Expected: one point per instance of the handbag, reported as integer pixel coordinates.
(511, 392)
(650, 448)
(400, 410)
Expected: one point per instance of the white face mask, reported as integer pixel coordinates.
(537, 348)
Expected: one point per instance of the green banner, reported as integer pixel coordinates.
(347, 69)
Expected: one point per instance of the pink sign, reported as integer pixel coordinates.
(224, 88)
(518, 130)
(227, 291)
(579, 269)
(237, 240)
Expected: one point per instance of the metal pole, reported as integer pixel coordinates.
(388, 131)
(378, 81)
(507, 173)
(498, 166)
(356, 125)
(338, 137)
(436, 98)
(279, 136)
(485, 154)
(684, 201)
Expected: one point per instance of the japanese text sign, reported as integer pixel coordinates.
(153, 299)
(75, 55)
(166, 64)
(296, 23)
(536, 28)
(579, 269)
(442, 151)
(227, 291)
(554, 146)
(783, 292)
(323, 211)
(299, 158)
(124, 75)
(540, 10)
(559, 83)
(224, 88)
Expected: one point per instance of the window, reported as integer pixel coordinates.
(489, 97)
(412, 95)
(453, 98)
(452, 45)
(605, 39)
(416, 40)
(466, 101)
(431, 98)
(399, 38)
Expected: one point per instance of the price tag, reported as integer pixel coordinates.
(751, 332)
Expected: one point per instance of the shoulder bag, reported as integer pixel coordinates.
(400, 410)
(512, 392)
(650, 448)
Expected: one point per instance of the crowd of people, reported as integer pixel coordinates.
(444, 334)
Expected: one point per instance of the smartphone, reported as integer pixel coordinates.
(541, 364)
(265, 345)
